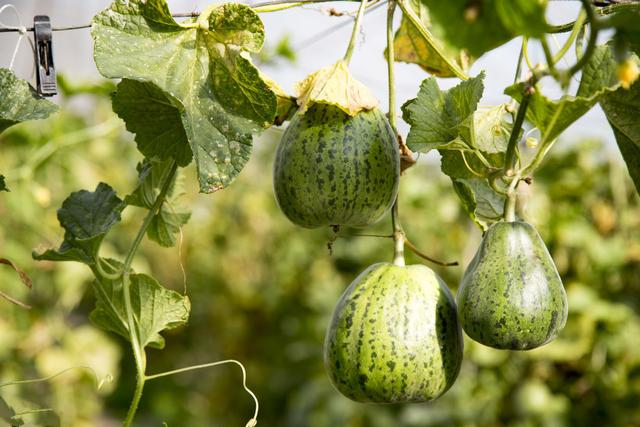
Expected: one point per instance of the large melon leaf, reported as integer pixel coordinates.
(202, 63)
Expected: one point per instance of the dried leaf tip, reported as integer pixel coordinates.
(334, 85)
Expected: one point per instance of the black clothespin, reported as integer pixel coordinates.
(46, 70)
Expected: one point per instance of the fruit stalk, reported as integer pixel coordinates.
(390, 68)
(398, 233)
(511, 156)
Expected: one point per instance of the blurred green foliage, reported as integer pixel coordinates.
(262, 291)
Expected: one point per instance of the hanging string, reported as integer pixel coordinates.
(21, 29)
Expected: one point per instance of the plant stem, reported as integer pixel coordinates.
(398, 236)
(512, 197)
(397, 232)
(525, 52)
(431, 41)
(276, 7)
(154, 209)
(422, 255)
(136, 345)
(391, 8)
(137, 395)
(607, 10)
(577, 26)
(265, 4)
(548, 56)
(512, 147)
(593, 39)
(516, 77)
(356, 30)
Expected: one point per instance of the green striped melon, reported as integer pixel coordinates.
(511, 296)
(334, 169)
(394, 336)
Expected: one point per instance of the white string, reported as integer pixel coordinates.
(22, 30)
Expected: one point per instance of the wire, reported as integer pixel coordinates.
(80, 27)
(327, 32)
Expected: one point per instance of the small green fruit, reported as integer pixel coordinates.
(334, 169)
(394, 336)
(511, 296)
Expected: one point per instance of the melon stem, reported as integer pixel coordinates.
(512, 197)
(398, 236)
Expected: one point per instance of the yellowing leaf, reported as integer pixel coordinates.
(335, 85)
(410, 46)
(286, 104)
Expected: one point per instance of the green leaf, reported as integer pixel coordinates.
(523, 17)
(20, 102)
(410, 46)
(481, 202)
(627, 30)
(204, 65)
(487, 129)
(474, 26)
(472, 141)
(155, 308)
(454, 165)
(86, 218)
(552, 117)
(155, 117)
(166, 224)
(435, 115)
(622, 109)
(3, 185)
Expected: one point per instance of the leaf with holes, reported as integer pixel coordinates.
(202, 63)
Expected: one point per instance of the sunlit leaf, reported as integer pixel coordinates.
(334, 85)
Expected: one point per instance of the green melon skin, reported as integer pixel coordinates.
(511, 296)
(394, 336)
(334, 169)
